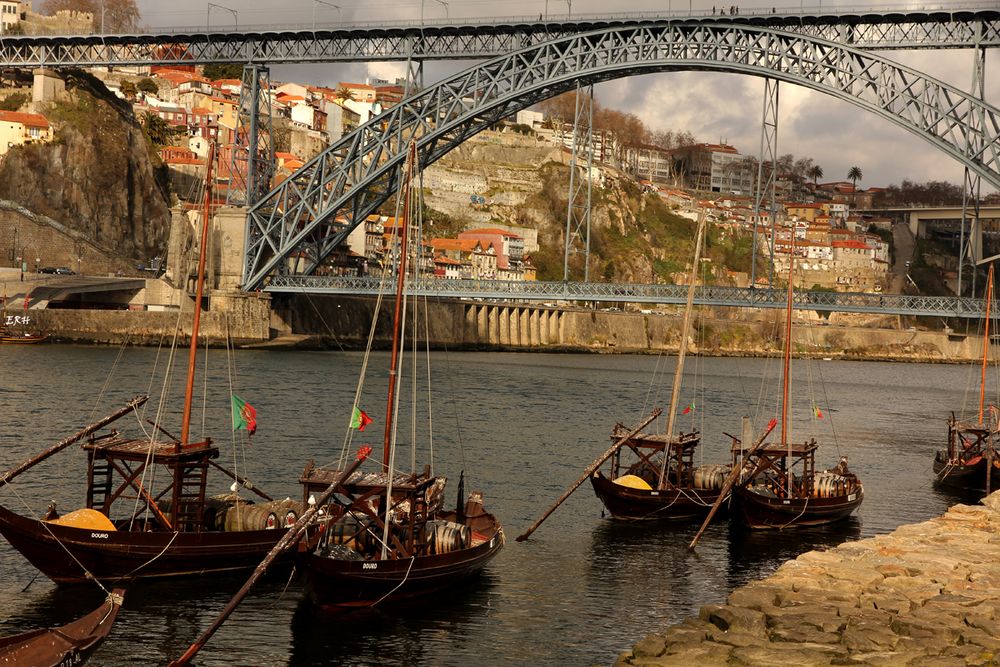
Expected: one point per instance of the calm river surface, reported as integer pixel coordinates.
(579, 592)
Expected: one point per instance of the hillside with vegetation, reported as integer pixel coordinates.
(635, 235)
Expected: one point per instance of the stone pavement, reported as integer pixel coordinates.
(925, 594)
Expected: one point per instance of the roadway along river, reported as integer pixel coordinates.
(579, 592)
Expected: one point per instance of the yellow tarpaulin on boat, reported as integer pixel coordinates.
(85, 518)
(633, 482)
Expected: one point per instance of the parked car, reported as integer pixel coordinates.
(64, 271)
(48, 269)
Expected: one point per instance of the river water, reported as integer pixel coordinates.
(523, 426)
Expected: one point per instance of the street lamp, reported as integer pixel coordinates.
(316, 3)
(438, 1)
(208, 15)
(569, 7)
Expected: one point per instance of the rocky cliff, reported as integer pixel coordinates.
(100, 176)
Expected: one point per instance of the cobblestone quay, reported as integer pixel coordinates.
(925, 594)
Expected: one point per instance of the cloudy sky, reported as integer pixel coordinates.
(712, 106)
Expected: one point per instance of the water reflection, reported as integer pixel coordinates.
(411, 633)
(757, 553)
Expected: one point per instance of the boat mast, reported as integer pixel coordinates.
(189, 390)
(682, 350)
(786, 376)
(411, 159)
(986, 344)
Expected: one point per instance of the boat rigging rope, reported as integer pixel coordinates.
(805, 506)
(405, 577)
(235, 433)
(430, 412)
(107, 380)
(154, 558)
(156, 422)
(45, 525)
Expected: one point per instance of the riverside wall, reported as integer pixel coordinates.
(925, 594)
(474, 325)
(325, 322)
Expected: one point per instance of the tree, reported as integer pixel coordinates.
(158, 130)
(855, 175)
(216, 71)
(114, 15)
(13, 102)
(128, 90)
(344, 95)
(148, 86)
(815, 173)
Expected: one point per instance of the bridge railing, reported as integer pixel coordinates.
(552, 291)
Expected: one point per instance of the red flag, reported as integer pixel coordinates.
(363, 452)
(688, 409)
(817, 411)
(27, 298)
(771, 424)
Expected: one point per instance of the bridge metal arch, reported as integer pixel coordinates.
(307, 215)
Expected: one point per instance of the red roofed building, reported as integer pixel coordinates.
(18, 128)
(508, 247)
(479, 260)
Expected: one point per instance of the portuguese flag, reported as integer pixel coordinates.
(244, 415)
(688, 409)
(359, 419)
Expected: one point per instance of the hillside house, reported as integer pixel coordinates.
(17, 129)
(10, 16)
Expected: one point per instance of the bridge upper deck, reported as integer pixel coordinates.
(977, 24)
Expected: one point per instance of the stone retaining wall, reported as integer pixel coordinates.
(925, 594)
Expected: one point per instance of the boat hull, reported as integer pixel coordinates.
(758, 511)
(335, 584)
(970, 476)
(21, 340)
(71, 644)
(122, 556)
(675, 504)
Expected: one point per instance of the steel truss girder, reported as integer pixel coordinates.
(958, 28)
(252, 163)
(709, 295)
(311, 212)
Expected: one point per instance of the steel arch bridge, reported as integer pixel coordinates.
(309, 214)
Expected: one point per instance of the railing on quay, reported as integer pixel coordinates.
(550, 292)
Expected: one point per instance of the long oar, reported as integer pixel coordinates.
(590, 469)
(79, 435)
(289, 539)
(728, 485)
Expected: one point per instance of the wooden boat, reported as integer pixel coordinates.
(147, 511)
(10, 338)
(778, 483)
(660, 480)
(389, 536)
(970, 461)
(70, 644)
(634, 493)
(776, 497)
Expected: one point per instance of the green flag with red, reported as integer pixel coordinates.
(244, 415)
(360, 419)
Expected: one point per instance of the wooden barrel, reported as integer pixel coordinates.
(447, 536)
(711, 476)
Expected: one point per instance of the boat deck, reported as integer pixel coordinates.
(324, 477)
(140, 449)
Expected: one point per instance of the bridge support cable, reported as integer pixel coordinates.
(767, 167)
(252, 161)
(971, 187)
(580, 181)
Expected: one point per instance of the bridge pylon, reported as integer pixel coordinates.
(252, 160)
